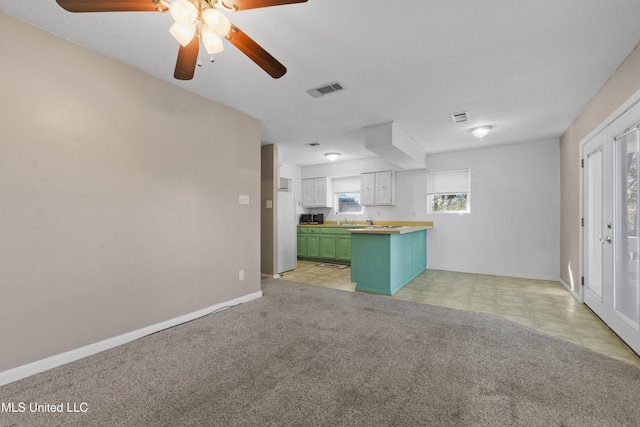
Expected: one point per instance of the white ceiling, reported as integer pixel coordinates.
(527, 68)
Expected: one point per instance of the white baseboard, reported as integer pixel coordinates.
(549, 278)
(33, 368)
(575, 294)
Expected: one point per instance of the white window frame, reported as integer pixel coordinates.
(337, 203)
(449, 183)
(346, 184)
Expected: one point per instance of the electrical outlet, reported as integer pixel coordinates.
(244, 199)
(240, 274)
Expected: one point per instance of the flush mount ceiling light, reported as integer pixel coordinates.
(196, 21)
(481, 131)
(332, 156)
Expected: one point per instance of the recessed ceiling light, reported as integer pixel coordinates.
(332, 156)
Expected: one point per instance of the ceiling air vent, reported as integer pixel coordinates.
(313, 144)
(326, 89)
(460, 117)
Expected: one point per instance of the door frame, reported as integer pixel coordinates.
(596, 145)
(605, 138)
(616, 114)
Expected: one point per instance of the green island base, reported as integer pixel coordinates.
(384, 263)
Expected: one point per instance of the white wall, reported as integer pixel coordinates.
(513, 228)
(514, 225)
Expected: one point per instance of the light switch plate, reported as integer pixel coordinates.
(269, 204)
(244, 199)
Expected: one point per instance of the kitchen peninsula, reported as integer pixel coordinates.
(386, 258)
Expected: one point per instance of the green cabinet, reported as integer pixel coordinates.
(330, 244)
(313, 245)
(302, 244)
(343, 248)
(308, 242)
(384, 263)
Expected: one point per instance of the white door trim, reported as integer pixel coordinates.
(617, 113)
(604, 137)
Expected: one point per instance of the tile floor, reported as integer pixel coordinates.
(545, 306)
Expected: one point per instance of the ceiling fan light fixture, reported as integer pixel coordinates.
(184, 12)
(481, 131)
(217, 21)
(189, 23)
(211, 41)
(183, 33)
(332, 156)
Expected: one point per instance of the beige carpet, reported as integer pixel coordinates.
(305, 355)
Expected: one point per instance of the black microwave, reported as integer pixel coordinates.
(305, 218)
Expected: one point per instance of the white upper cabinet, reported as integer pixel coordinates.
(377, 188)
(307, 193)
(316, 193)
(367, 189)
(384, 188)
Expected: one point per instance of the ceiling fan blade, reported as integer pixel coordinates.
(111, 5)
(257, 54)
(187, 59)
(254, 4)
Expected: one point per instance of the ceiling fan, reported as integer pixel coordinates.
(195, 21)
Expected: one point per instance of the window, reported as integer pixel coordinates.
(449, 202)
(348, 203)
(448, 192)
(347, 195)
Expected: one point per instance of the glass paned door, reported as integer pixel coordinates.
(611, 233)
(626, 293)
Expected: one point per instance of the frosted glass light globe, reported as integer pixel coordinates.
(211, 41)
(217, 21)
(183, 33)
(481, 131)
(184, 12)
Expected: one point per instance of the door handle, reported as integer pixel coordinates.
(606, 239)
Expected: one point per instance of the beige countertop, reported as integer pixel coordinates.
(363, 224)
(335, 225)
(389, 229)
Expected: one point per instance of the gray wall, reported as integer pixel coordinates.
(621, 86)
(269, 216)
(118, 198)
